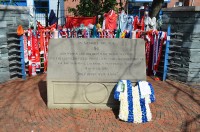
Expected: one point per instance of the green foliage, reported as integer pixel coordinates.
(89, 8)
(109, 4)
(86, 8)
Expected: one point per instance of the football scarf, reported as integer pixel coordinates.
(36, 54)
(161, 39)
(25, 48)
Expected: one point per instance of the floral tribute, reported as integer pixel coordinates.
(134, 101)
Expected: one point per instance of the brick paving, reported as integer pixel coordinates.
(23, 108)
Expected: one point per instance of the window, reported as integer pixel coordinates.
(14, 2)
(41, 6)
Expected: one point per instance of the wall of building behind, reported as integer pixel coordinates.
(74, 3)
(10, 55)
(186, 3)
(184, 48)
(71, 4)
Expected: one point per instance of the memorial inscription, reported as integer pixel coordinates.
(91, 62)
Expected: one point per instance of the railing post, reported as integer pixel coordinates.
(167, 53)
(57, 13)
(46, 18)
(22, 58)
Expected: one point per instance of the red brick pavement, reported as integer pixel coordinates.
(23, 108)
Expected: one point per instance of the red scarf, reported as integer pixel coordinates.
(162, 40)
(25, 48)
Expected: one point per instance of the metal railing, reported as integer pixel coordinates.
(42, 16)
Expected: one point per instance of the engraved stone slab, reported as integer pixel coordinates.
(83, 72)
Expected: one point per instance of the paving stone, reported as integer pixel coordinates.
(26, 109)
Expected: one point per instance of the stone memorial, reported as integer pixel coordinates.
(82, 73)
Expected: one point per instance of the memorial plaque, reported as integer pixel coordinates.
(82, 72)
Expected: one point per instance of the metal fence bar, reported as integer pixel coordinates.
(22, 58)
(42, 15)
(167, 53)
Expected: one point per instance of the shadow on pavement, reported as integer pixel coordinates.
(43, 90)
(115, 104)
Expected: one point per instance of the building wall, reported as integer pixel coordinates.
(10, 57)
(186, 3)
(71, 3)
(74, 3)
(184, 48)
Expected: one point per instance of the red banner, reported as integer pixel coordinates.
(77, 21)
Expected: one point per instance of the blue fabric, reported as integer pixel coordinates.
(127, 35)
(116, 94)
(152, 96)
(94, 32)
(130, 101)
(143, 107)
(130, 24)
(52, 18)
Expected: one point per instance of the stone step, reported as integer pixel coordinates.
(11, 33)
(13, 39)
(15, 74)
(3, 46)
(15, 67)
(15, 62)
(177, 69)
(13, 45)
(14, 50)
(14, 57)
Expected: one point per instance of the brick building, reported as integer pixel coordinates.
(185, 3)
(74, 3)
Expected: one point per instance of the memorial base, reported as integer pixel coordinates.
(81, 95)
